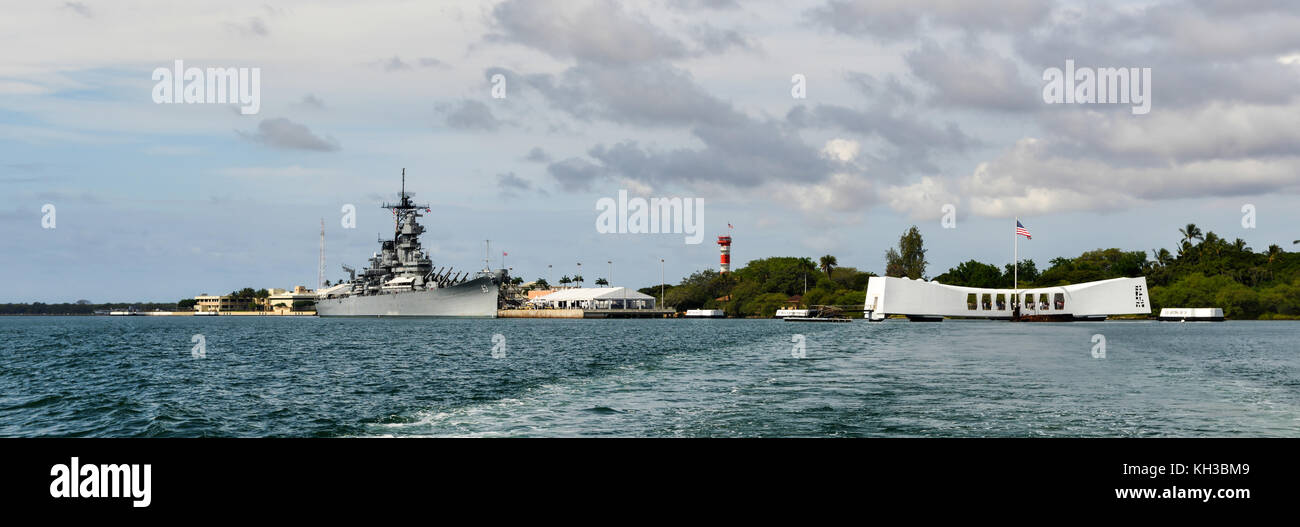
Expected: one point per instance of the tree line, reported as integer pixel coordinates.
(1204, 270)
(80, 307)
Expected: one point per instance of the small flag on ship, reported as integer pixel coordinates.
(1022, 231)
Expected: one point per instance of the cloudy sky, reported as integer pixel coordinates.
(909, 106)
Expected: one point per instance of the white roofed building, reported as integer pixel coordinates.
(595, 298)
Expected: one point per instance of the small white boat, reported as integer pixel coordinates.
(1191, 314)
(821, 314)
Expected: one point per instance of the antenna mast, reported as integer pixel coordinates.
(320, 271)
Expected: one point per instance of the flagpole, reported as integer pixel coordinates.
(1015, 264)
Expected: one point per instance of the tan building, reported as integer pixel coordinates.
(219, 303)
(281, 300)
(539, 292)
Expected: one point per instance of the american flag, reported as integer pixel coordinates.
(1022, 231)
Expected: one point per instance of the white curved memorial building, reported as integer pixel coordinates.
(921, 300)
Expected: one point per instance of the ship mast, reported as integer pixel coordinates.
(320, 272)
(404, 210)
(403, 256)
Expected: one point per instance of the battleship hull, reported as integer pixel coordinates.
(473, 298)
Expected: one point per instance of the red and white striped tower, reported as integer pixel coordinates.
(724, 260)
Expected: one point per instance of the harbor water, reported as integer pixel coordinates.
(321, 377)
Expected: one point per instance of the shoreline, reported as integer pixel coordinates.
(578, 315)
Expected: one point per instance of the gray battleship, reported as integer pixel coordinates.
(401, 280)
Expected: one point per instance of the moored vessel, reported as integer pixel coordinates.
(401, 280)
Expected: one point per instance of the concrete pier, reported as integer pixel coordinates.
(585, 313)
(539, 313)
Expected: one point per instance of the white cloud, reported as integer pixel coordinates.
(923, 200)
(842, 150)
(8, 87)
(1030, 178)
(1211, 131)
(841, 192)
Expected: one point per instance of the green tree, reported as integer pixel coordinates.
(973, 274)
(828, 264)
(1164, 257)
(851, 278)
(1027, 274)
(1190, 233)
(699, 290)
(894, 264)
(764, 305)
(1274, 252)
(909, 259)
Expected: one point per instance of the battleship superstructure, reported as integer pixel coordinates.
(401, 279)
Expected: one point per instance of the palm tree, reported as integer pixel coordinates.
(828, 264)
(1162, 256)
(1191, 232)
(805, 265)
(565, 280)
(602, 282)
(1240, 245)
(577, 279)
(541, 284)
(1213, 242)
(1273, 252)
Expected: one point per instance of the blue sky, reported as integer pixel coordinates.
(909, 106)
